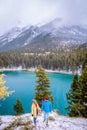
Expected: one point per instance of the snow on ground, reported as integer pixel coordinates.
(56, 122)
(47, 70)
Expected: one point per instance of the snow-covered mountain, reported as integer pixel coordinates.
(52, 34)
(17, 37)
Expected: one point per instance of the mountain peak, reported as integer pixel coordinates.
(50, 34)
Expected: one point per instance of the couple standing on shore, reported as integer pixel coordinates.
(46, 108)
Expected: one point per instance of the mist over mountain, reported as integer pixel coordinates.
(53, 34)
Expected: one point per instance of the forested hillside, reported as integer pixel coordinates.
(65, 59)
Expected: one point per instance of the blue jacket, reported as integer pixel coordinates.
(47, 106)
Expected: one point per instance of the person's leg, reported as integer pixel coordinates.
(44, 116)
(34, 120)
(47, 117)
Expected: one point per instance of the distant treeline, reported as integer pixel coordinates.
(70, 60)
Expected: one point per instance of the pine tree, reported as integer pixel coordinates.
(18, 107)
(43, 85)
(83, 82)
(77, 96)
(3, 89)
(73, 97)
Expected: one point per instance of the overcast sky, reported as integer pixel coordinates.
(24, 12)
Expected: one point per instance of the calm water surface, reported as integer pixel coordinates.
(24, 85)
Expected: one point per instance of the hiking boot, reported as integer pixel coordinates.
(46, 123)
(34, 125)
(43, 120)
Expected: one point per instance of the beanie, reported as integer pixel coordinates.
(46, 98)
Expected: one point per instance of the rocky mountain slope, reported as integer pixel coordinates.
(56, 122)
(50, 35)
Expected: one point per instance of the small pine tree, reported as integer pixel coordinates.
(43, 85)
(18, 107)
(73, 97)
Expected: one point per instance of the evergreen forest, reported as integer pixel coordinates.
(69, 60)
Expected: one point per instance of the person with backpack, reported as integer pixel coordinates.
(47, 108)
(34, 109)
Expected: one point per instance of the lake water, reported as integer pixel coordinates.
(24, 85)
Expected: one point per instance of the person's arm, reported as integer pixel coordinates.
(42, 108)
(50, 106)
(38, 107)
(32, 109)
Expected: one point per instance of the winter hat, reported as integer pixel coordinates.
(34, 101)
(46, 98)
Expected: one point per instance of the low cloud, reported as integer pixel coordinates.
(24, 12)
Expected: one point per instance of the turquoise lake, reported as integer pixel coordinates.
(24, 85)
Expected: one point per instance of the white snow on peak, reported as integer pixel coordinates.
(14, 33)
(25, 44)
